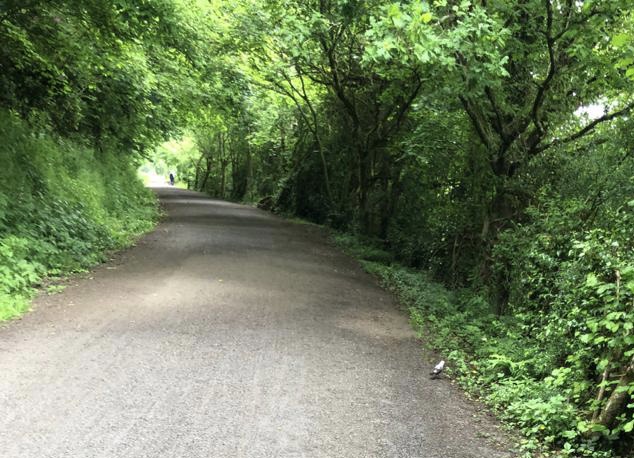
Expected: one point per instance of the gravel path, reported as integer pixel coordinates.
(228, 332)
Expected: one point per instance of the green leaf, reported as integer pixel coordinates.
(620, 40)
(612, 326)
(592, 280)
(582, 426)
(625, 62)
(393, 10)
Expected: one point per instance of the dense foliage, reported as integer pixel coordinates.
(86, 87)
(482, 148)
(485, 144)
(62, 206)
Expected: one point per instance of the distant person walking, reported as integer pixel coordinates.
(172, 179)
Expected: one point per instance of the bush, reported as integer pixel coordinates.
(62, 206)
(538, 367)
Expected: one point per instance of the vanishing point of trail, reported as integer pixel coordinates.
(227, 332)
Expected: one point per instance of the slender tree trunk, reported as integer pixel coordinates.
(223, 178)
(618, 399)
(223, 164)
(364, 190)
(203, 186)
(197, 176)
(249, 178)
(388, 196)
(324, 166)
(454, 259)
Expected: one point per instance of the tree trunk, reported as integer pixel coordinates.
(203, 185)
(249, 174)
(390, 192)
(364, 191)
(223, 164)
(324, 166)
(618, 399)
(197, 175)
(223, 177)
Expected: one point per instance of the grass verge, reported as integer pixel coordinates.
(483, 351)
(63, 207)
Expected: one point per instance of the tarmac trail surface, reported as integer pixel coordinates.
(227, 332)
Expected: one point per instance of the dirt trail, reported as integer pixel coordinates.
(227, 332)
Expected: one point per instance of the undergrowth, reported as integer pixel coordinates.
(490, 356)
(63, 206)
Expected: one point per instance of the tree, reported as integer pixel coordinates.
(557, 58)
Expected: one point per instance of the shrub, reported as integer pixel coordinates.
(62, 206)
(539, 367)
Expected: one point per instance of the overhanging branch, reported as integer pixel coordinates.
(552, 68)
(587, 129)
(475, 120)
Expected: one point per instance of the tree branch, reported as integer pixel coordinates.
(477, 124)
(581, 22)
(405, 106)
(336, 82)
(470, 109)
(587, 129)
(499, 124)
(552, 69)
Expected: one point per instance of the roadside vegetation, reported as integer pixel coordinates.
(86, 88)
(481, 150)
(483, 153)
(61, 210)
(496, 360)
